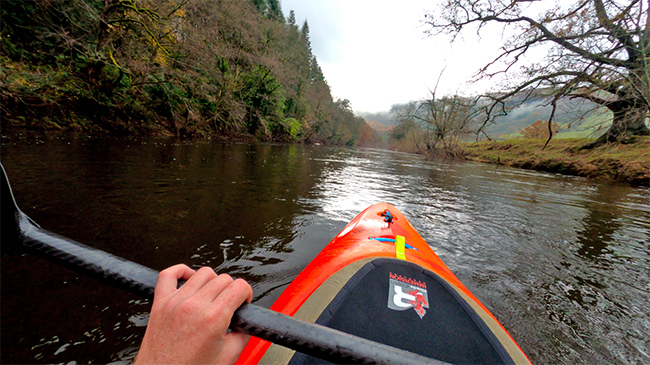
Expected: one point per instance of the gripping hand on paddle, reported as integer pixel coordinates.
(188, 325)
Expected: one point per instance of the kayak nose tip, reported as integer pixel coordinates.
(388, 217)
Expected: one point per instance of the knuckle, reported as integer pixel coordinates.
(171, 271)
(242, 283)
(166, 272)
(225, 277)
(219, 316)
(243, 286)
(218, 312)
(188, 307)
(205, 270)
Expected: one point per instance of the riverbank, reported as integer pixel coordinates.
(243, 70)
(628, 163)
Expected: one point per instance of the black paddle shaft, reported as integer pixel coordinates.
(20, 232)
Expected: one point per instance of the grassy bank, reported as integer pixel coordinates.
(622, 162)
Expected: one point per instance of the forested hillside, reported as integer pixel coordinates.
(200, 67)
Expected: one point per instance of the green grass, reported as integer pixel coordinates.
(623, 162)
(591, 126)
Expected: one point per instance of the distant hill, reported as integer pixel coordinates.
(592, 126)
(575, 119)
(382, 122)
(588, 127)
(379, 127)
(385, 118)
(537, 130)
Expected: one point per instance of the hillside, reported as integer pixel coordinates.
(574, 118)
(385, 118)
(379, 127)
(227, 68)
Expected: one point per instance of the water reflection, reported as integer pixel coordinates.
(561, 261)
(600, 226)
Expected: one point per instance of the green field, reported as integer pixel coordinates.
(591, 126)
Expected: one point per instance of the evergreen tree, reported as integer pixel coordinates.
(275, 10)
(292, 18)
(304, 31)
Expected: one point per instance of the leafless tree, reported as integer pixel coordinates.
(435, 124)
(598, 50)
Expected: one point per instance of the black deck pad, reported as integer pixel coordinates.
(381, 303)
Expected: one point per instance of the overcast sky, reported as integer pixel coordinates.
(375, 52)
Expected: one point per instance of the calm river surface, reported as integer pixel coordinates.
(563, 262)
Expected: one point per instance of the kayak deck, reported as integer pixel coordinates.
(378, 279)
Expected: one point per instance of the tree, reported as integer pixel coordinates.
(89, 58)
(271, 9)
(304, 31)
(199, 67)
(598, 50)
(435, 125)
(291, 21)
(407, 127)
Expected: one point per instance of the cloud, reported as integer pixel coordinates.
(325, 32)
(376, 54)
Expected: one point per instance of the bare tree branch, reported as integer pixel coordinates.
(598, 50)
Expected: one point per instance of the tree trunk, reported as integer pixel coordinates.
(629, 120)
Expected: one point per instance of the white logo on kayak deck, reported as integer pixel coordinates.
(405, 293)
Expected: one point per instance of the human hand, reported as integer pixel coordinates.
(188, 325)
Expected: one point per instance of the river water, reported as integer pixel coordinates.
(561, 261)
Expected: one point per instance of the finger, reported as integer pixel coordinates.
(168, 279)
(212, 289)
(236, 293)
(225, 304)
(246, 287)
(197, 281)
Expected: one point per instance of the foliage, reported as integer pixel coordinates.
(179, 67)
(596, 50)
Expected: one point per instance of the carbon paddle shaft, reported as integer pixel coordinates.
(308, 338)
(319, 341)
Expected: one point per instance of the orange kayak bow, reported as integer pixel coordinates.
(378, 279)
